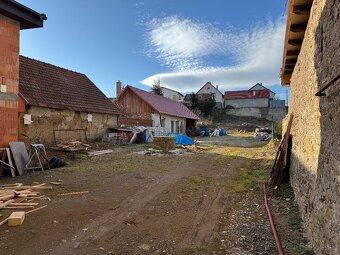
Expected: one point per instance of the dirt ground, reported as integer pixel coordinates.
(210, 202)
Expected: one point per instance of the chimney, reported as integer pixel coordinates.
(118, 88)
(217, 87)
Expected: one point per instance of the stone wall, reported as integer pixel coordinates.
(46, 120)
(263, 113)
(315, 163)
(239, 103)
(9, 75)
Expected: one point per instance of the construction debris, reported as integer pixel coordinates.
(96, 153)
(72, 145)
(15, 196)
(264, 134)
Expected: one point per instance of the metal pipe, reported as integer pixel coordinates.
(320, 92)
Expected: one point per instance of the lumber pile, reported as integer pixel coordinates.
(280, 164)
(72, 145)
(18, 196)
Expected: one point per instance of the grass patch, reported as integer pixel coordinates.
(248, 179)
(198, 180)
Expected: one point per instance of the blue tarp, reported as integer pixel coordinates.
(204, 131)
(223, 132)
(184, 140)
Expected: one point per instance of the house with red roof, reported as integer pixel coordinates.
(257, 96)
(159, 111)
(57, 104)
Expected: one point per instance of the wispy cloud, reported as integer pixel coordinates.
(189, 49)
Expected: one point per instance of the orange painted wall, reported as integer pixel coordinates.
(9, 69)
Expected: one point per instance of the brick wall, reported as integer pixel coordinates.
(315, 164)
(9, 69)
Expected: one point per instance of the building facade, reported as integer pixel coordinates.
(310, 64)
(13, 18)
(57, 104)
(211, 90)
(142, 106)
(172, 94)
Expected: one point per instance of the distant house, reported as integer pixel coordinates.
(172, 94)
(209, 90)
(257, 96)
(58, 104)
(159, 111)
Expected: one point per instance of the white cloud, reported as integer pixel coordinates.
(186, 46)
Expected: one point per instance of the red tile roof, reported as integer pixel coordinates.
(46, 85)
(246, 94)
(164, 105)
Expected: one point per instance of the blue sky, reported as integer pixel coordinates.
(185, 43)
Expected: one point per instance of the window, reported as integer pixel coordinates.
(181, 129)
(177, 126)
(162, 122)
(172, 127)
(208, 87)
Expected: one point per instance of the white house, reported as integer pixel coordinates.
(209, 89)
(172, 94)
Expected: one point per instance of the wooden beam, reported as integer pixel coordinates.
(293, 52)
(302, 9)
(295, 42)
(291, 61)
(288, 72)
(296, 28)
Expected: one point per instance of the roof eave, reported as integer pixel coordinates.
(297, 21)
(27, 17)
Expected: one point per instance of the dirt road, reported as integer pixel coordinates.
(205, 203)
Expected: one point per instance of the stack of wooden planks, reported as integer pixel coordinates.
(18, 196)
(73, 145)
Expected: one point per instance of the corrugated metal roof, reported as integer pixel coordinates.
(46, 85)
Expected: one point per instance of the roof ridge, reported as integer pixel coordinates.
(169, 99)
(52, 65)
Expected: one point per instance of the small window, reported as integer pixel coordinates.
(162, 122)
(208, 87)
(172, 127)
(181, 129)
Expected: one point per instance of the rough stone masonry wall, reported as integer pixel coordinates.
(315, 165)
(9, 70)
(45, 120)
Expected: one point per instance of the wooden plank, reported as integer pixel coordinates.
(23, 204)
(9, 157)
(3, 150)
(20, 155)
(73, 193)
(6, 197)
(16, 219)
(36, 209)
(3, 205)
(18, 207)
(3, 222)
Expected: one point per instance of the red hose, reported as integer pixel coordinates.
(276, 236)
